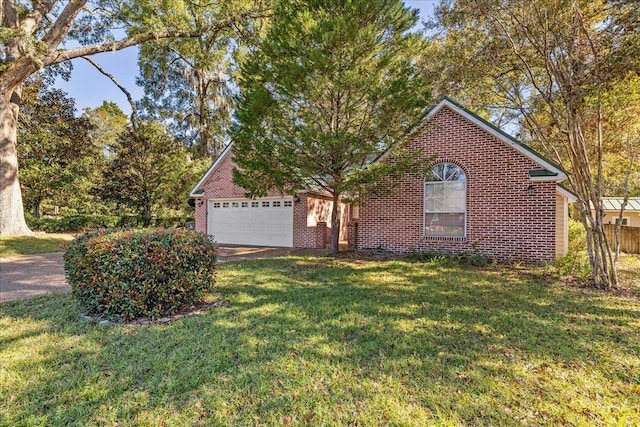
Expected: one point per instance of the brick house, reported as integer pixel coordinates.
(223, 211)
(486, 191)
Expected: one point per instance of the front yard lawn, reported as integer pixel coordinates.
(40, 243)
(335, 342)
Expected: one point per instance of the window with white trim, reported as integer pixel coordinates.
(288, 203)
(445, 201)
(616, 220)
(276, 204)
(245, 204)
(255, 204)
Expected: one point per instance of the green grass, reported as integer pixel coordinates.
(38, 244)
(335, 342)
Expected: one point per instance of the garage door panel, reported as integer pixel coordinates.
(250, 225)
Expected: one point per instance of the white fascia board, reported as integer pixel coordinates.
(546, 178)
(566, 194)
(561, 176)
(206, 176)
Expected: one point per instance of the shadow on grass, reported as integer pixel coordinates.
(340, 342)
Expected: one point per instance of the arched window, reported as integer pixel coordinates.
(445, 201)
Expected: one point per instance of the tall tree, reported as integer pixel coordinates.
(550, 63)
(107, 121)
(333, 86)
(149, 171)
(188, 85)
(32, 34)
(57, 156)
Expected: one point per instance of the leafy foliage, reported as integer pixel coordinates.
(72, 223)
(86, 222)
(37, 35)
(57, 156)
(561, 69)
(575, 262)
(188, 84)
(107, 121)
(133, 274)
(333, 85)
(470, 258)
(149, 171)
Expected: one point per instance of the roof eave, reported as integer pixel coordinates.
(553, 178)
(194, 192)
(545, 175)
(571, 198)
(501, 135)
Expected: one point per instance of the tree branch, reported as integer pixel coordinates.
(134, 110)
(30, 23)
(57, 33)
(64, 55)
(9, 14)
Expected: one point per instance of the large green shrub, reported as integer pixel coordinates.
(72, 223)
(143, 273)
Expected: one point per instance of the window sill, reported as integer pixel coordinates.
(446, 238)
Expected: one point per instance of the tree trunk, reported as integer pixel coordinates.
(334, 238)
(12, 222)
(36, 208)
(146, 215)
(603, 268)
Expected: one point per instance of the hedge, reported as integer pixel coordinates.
(79, 223)
(142, 273)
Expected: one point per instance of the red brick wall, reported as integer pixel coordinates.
(201, 215)
(304, 235)
(503, 221)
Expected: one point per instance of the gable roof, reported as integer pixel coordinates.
(615, 203)
(197, 192)
(552, 171)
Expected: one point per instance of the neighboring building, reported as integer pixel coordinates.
(486, 192)
(630, 215)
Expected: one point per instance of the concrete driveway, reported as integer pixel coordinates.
(26, 276)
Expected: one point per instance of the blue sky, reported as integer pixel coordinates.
(90, 88)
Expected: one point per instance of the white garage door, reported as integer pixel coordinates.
(261, 222)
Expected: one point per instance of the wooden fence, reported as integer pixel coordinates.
(629, 238)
